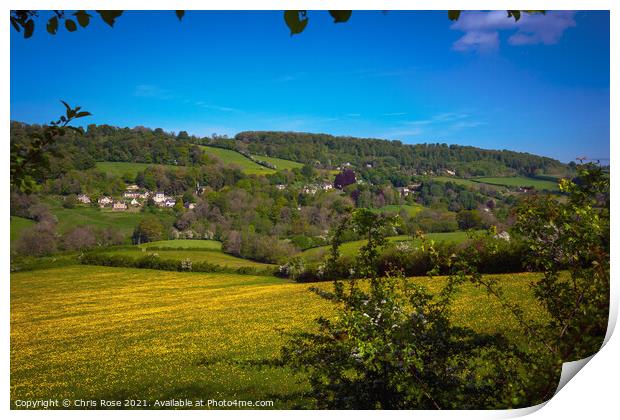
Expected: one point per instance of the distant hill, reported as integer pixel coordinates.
(332, 151)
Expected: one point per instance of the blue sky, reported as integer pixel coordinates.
(540, 85)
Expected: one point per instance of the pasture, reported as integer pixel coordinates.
(352, 248)
(85, 332)
(280, 164)
(543, 182)
(18, 225)
(124, 221)
(411, 209)
(232, 157)
(205, 255)
(521, 181)
(203, 244)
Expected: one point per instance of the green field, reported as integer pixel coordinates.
(412, 210)
(232, 157)
(206, 255)
(18, 224)
(352, 248)
(185, 243)
(94, 333)
(459, 181)
(121, 169)
(124, 221)
(544, 182)
(520, 181)
(280, 164)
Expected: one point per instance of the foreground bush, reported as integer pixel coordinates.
(392, 344)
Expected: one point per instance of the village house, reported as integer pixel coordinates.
(189, 206)
(135, 203)
(119, 206)
(404, 191)
(170, 202)
(132, 187)
(159, 198)
(83, 198)
(309, 189)
(327, 186)
(105, 201)
(133, 194)
(280, 187)
(449, 172)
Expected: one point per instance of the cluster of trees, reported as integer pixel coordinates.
(256, 220)
(332, 151)
(76, 151)
(44, 238)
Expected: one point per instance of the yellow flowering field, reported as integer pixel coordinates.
(86, 332)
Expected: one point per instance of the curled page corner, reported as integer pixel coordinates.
(569, 370)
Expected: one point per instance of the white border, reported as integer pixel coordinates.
(594, 391)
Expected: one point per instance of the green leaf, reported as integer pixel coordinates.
(109, 16)
(454, 14)
(70, 25)
(28, 28)
(15, 25)
(66, 105)
(515, 14)
(52, 25)
(296, 20)
(180, 14)
(82, 114)
(83, 18)
(340, 16)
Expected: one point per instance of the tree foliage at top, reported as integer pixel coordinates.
(296, 20)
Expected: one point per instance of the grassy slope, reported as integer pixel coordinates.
(210, 256)
(395, 208)
(280, 164)
(85, 215)
(540, 183)
(108, 333)
(18, 224)
(521, 181)
(122, 168)
(234, 158)
(351, 248)
(185, 243)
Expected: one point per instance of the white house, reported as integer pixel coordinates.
(449, 172)
(309, 189)
(132, 187)
(105, 201)
(83, 198)
(280, 187)
(159, 198)
(327, 186)
(120, 206)
(170, 202)
(135, 203)
(404, 191)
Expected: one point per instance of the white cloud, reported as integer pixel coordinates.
(151, 91)
(482, 29)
